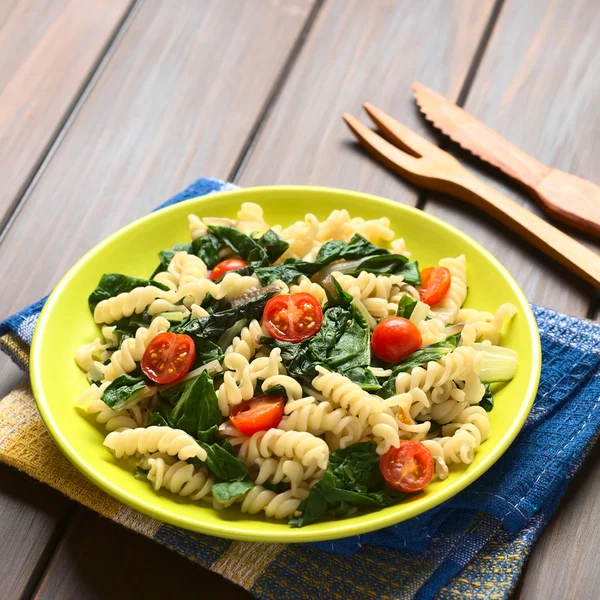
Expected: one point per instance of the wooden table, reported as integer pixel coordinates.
(109, 108)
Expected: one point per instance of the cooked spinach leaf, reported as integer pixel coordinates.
(487, 402)
(357, 247)
(336, 296)
(241, 244)
(273, 245)
(364, 377)
(406, 306)
(213, 326)
(390, 264)
(231, 491)
(123, 391)
(197, 409)
(113, 284)
(222, 464)
(207, 351)
(207, 248)
(289, 271)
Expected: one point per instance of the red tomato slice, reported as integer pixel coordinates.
(293, 318)
(408, 467)
(258, 414)
(395, 338)
(231, 264)
(168, 357)
(436, 283)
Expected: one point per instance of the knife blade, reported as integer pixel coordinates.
(566, 197)
(472, 135)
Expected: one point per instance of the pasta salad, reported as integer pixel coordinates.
(302, 372)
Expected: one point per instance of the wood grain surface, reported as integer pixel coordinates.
(48, 50)
(542, 100)
(86, 565)
(362, 51)
(177, 101)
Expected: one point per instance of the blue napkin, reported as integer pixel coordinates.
(486, 532)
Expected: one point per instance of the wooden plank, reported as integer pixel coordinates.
(144, 570)
(47, 52)
(359, 51)
(25, 505)
(540, 99)
(176, 101)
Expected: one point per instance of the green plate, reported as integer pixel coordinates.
(66, 323)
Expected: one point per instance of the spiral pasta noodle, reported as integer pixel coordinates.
(284, 470)
(125, 304)
(317, 418)
(369, 409)
(279, 506)
(300, 445)
(454, 366)
(248, 341)
(231, 286)
(180, 478)
(173, 442)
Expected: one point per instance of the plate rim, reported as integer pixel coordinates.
(226, 529)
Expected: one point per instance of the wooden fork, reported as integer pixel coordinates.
(427, 166)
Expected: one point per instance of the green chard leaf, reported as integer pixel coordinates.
(391, 264)
(241, 244)
(336, 296)
(123, 391)
(357, 247)
(197, 409)
(487, 402)
(273, 245)
(207, 248)
(222, 464)
(353, 478)
(156, 418)
(231, 491)
(207, 351)
(289, 271)
(406, 306)
(213, 326)
(113, 284)
(166, 256)
(364, 377)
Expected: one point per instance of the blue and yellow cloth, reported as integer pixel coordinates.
(473, 546)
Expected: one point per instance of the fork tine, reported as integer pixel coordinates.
(382, 150)
(397, 133)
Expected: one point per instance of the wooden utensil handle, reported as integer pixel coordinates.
(547, 238)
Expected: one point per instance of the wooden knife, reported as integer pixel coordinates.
(565, 197)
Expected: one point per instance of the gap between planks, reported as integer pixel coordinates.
(86, 86)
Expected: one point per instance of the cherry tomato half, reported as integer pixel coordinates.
(395, 338)
(408, 467)
(293, 318)
(231, 264)
(168, 357)
(258, 414)
(436, 283)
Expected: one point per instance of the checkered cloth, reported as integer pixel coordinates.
(472, 546)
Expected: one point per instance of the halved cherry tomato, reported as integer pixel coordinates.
(436, 283)
(258, 414)
(231, 264)
(408, 467)
(293, 318)
(395, 338)
(168, 357)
